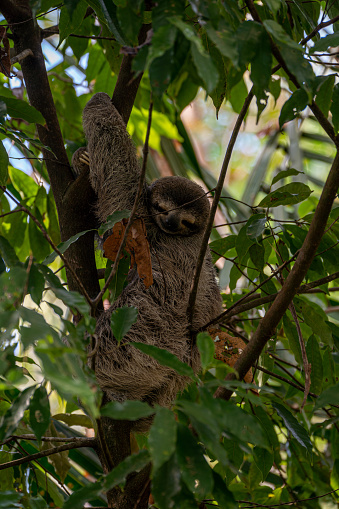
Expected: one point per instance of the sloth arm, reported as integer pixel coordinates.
(114, 168)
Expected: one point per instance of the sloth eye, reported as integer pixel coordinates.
(157, 207)
(188, 224)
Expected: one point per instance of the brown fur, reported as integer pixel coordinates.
(124, 372)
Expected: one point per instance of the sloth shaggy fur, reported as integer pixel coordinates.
(174, 237)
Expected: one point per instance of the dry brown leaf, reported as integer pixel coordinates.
(5, 59)
(228, 350)
(136, 245)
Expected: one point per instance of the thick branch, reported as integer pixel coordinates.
(274, 314)
(13, 12)
(90, 442)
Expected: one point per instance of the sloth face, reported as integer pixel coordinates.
(178, 206)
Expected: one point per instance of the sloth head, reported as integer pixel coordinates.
(178, 206)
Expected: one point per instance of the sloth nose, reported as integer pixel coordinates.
(172, 222)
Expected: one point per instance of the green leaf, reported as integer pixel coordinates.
(242, 244)
(205, 68)
(202, 61)
(222, 494)
(4, 161)
(133, 463)
(127, 410)
(292, 193)
(293, 106)
(38, 243)
(223, 38)
(206, 349)
(122, 320)
(324, 94)
(109, 11)
(221, 246)
(264, 461)
(16, 108)
(330, 41)
(335, 107)
(23, 183)
(284, 174)
(257, 256)
(130, 23)
(292, 336)
(112, 219)
(72, 300)
(63, 246)
(8, 253)
(316, 361)
(293, 426)
(10, 499)
(9, 422)
(256, 226)
(329, 396)
(166, 483)
(195, 471)
(81, 497)
(165, 358)
(162, 437)
(291, 53)
(315, 320)
(36, 284)
(39, 412)
(69, 22)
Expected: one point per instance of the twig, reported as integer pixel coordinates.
(218, 191)
(89, 442)
(254, 504)
(44, 439)
(130, 220)
(307, 365)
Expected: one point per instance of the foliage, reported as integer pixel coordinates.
(272, 443)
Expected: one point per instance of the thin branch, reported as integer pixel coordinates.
(136, 201)
(254, 504)
(307, 365)
(317, 29)
(89, 442)
(44, 439)
(218, 191)
(306, 254)
(234, 306)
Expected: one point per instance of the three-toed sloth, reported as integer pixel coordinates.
(175, 211)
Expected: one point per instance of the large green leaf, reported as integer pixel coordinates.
(16, 108)
(206, 348)
(293, 426)
(330, 396)
(128, 410)
(290, 194)
(163, 436)
(11, 419)
(195, 470)
(39, 412)
(3, 165)
(165, 358)
(63, 246)
(122, 320)
(69, 22)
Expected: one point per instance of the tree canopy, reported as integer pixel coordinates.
(269, 441)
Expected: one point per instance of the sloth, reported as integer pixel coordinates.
(175, 211)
